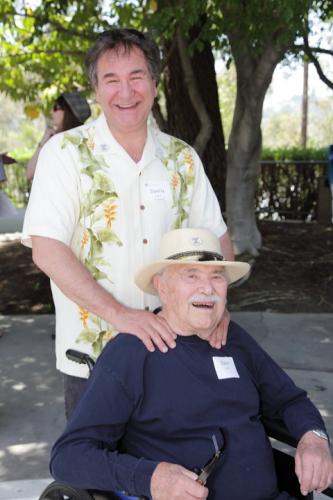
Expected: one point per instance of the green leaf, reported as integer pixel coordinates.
(71, 138)
(103, 183)
(96, 273)
(88, 336)
(106, 235)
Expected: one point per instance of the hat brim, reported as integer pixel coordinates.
(235, 270)
(78, 105)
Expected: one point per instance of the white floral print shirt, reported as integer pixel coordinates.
(89, 194)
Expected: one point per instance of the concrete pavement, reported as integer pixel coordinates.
(11, 222)
(31, 398)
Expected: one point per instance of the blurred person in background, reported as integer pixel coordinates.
(6, 207)
(70, 110)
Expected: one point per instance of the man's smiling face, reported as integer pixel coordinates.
(125, 90)
(193, 297)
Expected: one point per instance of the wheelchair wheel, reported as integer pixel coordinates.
(61, 491)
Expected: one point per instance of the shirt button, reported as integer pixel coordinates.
(145, 241)
(142, 207)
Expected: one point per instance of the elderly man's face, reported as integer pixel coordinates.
(193, 297)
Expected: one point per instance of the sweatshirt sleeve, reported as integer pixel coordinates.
(283, 399)
(85, 455)
(279, 396)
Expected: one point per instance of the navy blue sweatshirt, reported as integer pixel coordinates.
(142, 408)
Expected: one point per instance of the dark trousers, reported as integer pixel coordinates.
(74, 387)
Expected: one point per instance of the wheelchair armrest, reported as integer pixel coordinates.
(276, 429)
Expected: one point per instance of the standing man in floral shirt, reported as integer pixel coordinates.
(102, 197)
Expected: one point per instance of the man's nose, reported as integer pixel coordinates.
(205, 285)
(125, 89)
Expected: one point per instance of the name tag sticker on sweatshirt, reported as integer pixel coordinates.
(225, 367)
(157, 190)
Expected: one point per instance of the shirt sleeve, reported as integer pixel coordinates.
(280, 397)
(283, 399)
(93, 434)
(53, 207)
(205, 209)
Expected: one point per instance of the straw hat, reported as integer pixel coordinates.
(189, 246)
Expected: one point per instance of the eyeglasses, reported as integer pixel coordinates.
(205, 472)
(57, 107)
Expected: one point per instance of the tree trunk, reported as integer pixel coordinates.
(305, 105)
(182, 119)
(253, 79)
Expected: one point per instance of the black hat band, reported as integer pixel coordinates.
(198, 256)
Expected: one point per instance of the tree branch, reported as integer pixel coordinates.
(158, 115)
(71, 31)
(206, 125)
(56, 24)
(28, 54)
(318, 50)
(314, 60)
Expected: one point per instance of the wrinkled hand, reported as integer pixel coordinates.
(171, 481)
(219, 336)
(313, 463)
(151, 329)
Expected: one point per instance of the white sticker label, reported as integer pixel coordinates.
(225, 367)
(157, 190)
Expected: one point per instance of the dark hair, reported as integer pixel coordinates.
(69, 120)
(126, 39)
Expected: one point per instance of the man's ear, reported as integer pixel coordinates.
(156, 282)
(160, 286)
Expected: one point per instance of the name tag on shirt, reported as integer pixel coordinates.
(225, 367)
(157, 190)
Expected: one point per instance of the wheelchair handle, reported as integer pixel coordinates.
(80, 357)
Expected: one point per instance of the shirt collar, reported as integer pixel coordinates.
(109, 144)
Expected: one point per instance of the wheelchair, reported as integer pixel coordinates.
(275, 429)
(61, 491)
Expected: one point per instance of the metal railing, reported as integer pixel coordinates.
(289, 189)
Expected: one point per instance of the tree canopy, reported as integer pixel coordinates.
(42, 53)
(42, 48)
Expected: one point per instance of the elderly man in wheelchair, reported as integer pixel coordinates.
(187, 424)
